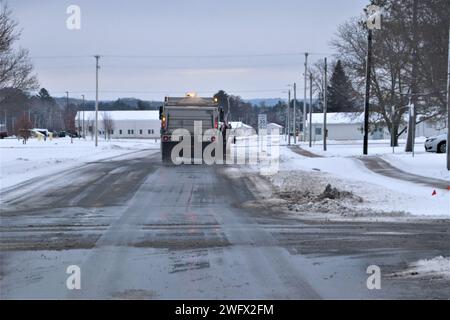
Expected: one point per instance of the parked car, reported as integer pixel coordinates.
(62, 134)
(436, 144)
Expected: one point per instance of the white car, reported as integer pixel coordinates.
(436, 144)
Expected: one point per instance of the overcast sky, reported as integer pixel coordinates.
(154, 47)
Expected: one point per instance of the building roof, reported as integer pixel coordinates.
(239, 125)
(276, 125)
(339, 118)
(121, 115)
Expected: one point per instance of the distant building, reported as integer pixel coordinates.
(274, 129)
(121, 124)
(239, 128)
(349, 126)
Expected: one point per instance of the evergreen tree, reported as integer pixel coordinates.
(44, 95)
(340, 91)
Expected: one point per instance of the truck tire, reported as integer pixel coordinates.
(166, 151)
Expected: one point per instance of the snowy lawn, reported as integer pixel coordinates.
(423, 163)
(19, 162)
(383, 193)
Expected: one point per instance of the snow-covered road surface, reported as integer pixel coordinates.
(138, 229)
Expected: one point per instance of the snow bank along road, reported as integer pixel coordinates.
(382, 167)
(138, 229)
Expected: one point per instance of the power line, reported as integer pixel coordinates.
(211, 56)
(172, 92)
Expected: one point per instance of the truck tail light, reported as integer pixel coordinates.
(166, 138)
(163, 122)
(216, 123)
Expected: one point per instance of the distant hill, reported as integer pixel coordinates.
(269, 102)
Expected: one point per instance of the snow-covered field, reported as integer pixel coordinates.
(423, 163)
(19, 162)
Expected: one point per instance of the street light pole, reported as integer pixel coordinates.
(97, 57)
(310, 108)
(325, 106)
(367, 98)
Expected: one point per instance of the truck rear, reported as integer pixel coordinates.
(194, 117)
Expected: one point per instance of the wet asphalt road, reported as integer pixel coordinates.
(142, 230)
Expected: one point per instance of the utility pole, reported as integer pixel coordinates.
(295, 115)
(67, 109)
(287, 123)
(392, 128)
(97, 57)
(413, 96)
(289, 116)
(84, 127)
(367, 98)
(229, 112)
(66, 120)
(310, 108)
(304, 100)
(448, 104)
(325, 106)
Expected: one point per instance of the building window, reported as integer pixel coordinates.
(150, 131)
(120, 131)
(318, 131)
(140, 131)
(132, 131)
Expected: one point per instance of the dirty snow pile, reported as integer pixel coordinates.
(315, 192)
(438, 267)
(330, 200)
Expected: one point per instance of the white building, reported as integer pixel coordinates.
(274, 129)
(239, 129)
(121, 124)
(349, 126)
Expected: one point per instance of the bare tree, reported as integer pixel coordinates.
(108, 124)
(24, 126)
(16, 71)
